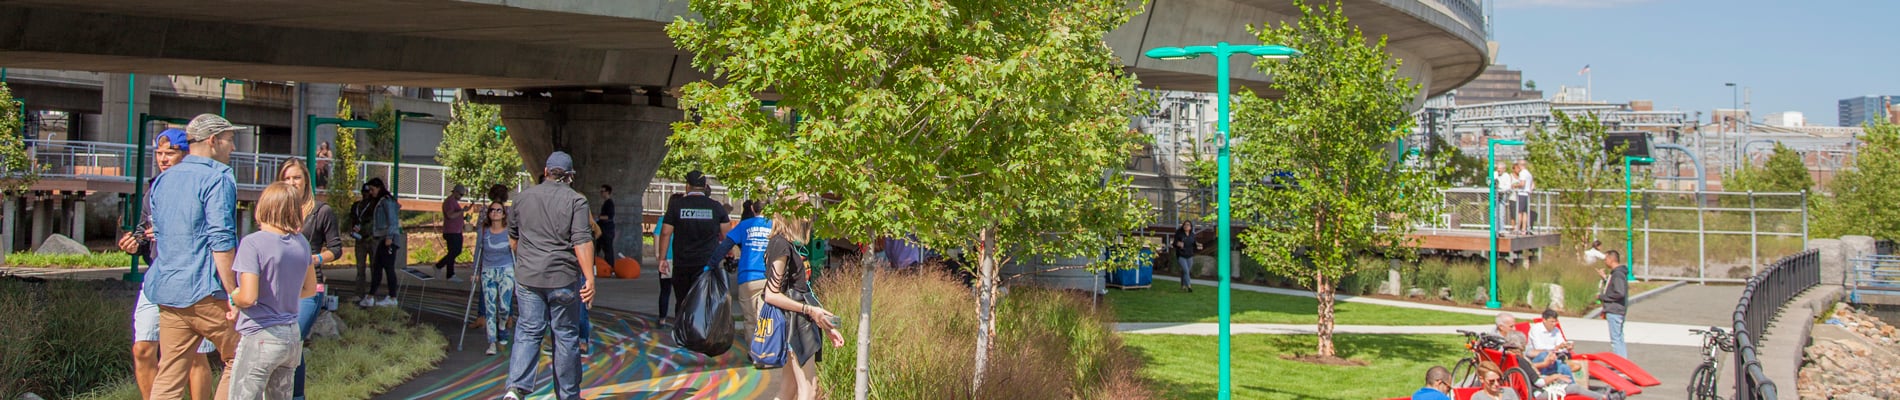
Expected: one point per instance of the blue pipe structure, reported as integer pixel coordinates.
(1701, 176)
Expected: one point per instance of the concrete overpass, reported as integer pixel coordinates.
(591, 76)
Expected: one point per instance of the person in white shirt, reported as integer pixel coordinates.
(1525, 184)
(1595, 254)
(1546, 344)
(1502, 215)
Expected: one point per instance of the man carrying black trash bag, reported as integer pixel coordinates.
(694, 224)
(548, 228)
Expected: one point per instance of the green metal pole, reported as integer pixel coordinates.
(310, 149)
(395, 167)
(1490, 166)
(138, 201)
(1629, 227)
(223, 104)
(1226, 229)
(131, 113)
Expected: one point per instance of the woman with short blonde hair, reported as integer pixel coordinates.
(321, 230)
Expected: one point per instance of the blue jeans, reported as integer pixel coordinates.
(1187, 268)
(1558, 367)
(1616, 335)
(306, 316)
(536, 310)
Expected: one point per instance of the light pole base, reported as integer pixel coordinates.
(133, 276)
(1492, 304)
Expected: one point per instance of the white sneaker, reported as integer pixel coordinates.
(511, 395)
(386, 302)
(365, 302)
(491, 349)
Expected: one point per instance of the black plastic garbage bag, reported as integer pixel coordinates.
(704, 322)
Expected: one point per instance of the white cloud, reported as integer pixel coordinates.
(1567, 3)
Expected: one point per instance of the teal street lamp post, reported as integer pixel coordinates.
(395, 169)
(1491, 164)
(311, 122)
(223, 103)
(137, 204)
(1221, 51)
(1629, 224)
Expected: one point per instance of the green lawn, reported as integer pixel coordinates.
(1171, 305)
(104, 259)
(1187, 367)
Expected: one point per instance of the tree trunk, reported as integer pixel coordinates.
(985, 306)
(1323, 290)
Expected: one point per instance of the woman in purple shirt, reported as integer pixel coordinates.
(273, 272)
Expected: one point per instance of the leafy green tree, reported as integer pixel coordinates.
(1571, 161)
(1460, 169)
(1784, 172)
(1862, 196)
(476, 153)
(1345, 104)
(17, 170)
(992, 125)
(381, 140)
(344, 178)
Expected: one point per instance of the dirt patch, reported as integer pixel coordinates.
(1315, 359)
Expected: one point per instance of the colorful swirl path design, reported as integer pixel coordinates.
(634, 359)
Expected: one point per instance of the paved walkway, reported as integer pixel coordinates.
(1578, 329)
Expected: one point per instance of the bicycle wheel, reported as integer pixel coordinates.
(1703, 383)
(1464, 373)
(1516, 380)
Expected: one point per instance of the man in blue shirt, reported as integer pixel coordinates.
(1437, 385)
(193, 215)
(754, 232)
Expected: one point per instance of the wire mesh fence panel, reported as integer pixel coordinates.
(1706, 236)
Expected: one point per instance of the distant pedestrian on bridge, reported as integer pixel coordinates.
(1525, 184)
(1615, 298)
(548, 228)
(195, 224)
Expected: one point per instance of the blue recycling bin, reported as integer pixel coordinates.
(1141, 275)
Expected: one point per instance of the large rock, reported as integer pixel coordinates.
(1833, 260)
(327, 325)
(1392, 285)
(1858, 246)
(1204, 265)
(60, 244)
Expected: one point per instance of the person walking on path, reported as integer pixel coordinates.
(606, 221)
(454, 216)
(664, 253)
(362, 217)
(1615, 298)
(1184, 248)
(386, 241)
(694, 224)
(548, 229)
(195, 229)
(170, 149)
(497, 274)
(1525, 184)
(275, 270)
(751, 236)
(788, 288)
(320, 230)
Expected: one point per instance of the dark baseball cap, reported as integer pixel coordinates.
(696, 178)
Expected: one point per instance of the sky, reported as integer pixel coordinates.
(1793, 55)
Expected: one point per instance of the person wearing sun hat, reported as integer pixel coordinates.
(195, 236)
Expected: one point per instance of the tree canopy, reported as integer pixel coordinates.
(1861, 198)
(476, 153)
(17, 171)
(989, 125)
(1344, 107)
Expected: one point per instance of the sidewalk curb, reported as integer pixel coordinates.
(1598, 312)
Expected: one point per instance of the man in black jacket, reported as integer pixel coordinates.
(1615, 298)
(1184, 248)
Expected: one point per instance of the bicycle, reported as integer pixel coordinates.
(1464, 372)
(1702, 383)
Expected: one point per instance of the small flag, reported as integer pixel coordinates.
(1585, 71)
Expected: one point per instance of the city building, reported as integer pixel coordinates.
(1497, 83)
(1789, 119)
(1859, 110)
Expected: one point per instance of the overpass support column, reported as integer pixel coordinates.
(77, 214)
(9, 223)
(123, 95)
(613, 144)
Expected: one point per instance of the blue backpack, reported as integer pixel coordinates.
(771, 339)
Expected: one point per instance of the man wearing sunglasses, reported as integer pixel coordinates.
(1437, 385)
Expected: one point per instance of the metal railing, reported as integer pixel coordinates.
(113, 162)
(1877, 274)
(1763, 298)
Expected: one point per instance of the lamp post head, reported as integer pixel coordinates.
(1273, 51)
(1507, 142)
(1730, 84)
(229, 81)
(1639, 159)
(1170, 53)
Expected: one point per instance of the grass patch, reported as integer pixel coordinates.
(104, 259)
(63, 337)
(1186, 367)
(378, 351)
(1202, 305)
(1049, 344)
